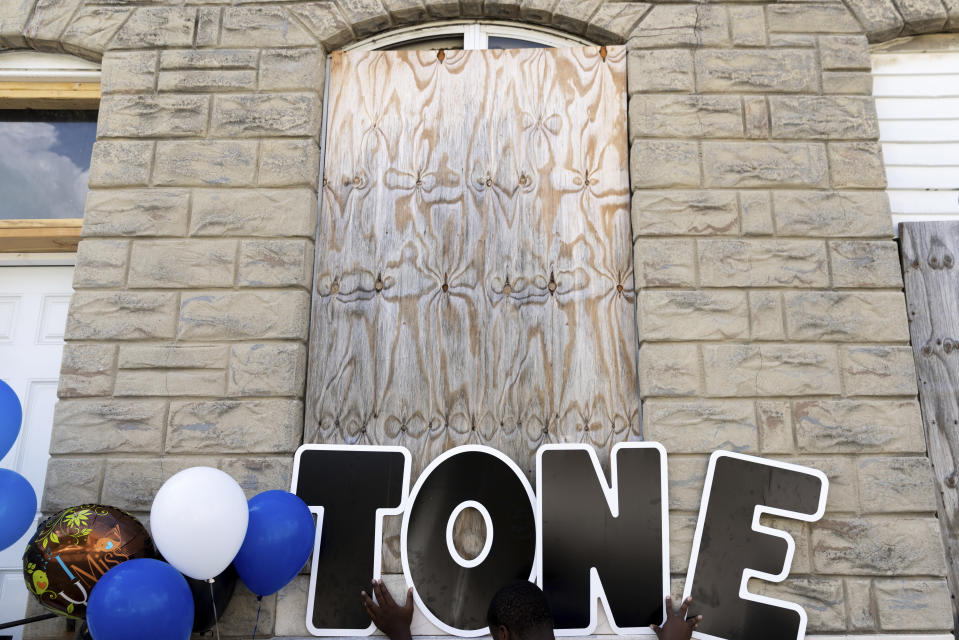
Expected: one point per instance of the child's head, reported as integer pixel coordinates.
(519, 611)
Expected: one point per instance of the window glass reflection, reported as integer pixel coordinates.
(498, 42)
(44, 163)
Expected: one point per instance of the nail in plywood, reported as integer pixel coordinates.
(930, 262)
(474, 279)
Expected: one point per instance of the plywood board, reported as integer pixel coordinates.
(930, 262)
(474, 279)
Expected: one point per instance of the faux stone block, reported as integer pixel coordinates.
(178, 382)
(173, 356)
(873, 370)
(234, 426)
(147, 116)
(116, 163)
(922, 16)
(275, 263)
(847, 317)
(865, 264)
(841, 472)
(261, 26)
(858, 426)
(847, 82)
(764, 164)
(687, 474)
(832, 213)
(693, 315)
(671, 25)
(259, 115)
(292, 69)
(365, 16)
(662, 163)
(913, 604)
(206, 80)
(762, 263)
(71, 481)
(87, 370)
(256, 475)
(289, 163)
(756, 71)
(260, 212)
(775, 427)
(766, 316)
(668, 370)
(766, 370)
(805, 17)
(862, 614)
(824, 117)
(896, 484)
(156, 27)
(132, 483)
(219, 59)
(121, 316)
(614, 21)
(665, 262)
(679, 116)
(136, 212)
(128, 72)
(756, 213)
(325, 22)
(107, 426)
(220, 163)
(677, 212)
(748, 25)
(844, 53)
(700, 426)
(660, 70)
(878, 546)
(856, 165)
(238, 315)
(267, 369)
(101, 263)
(90, 30)
(182, 264)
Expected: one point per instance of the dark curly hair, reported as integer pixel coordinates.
(522, 608)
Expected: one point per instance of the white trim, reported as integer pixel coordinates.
(404, 555)
(611, 492)
(487, 545)
(759, 511)
(540, 35)
(35, 66)
(377, 536)
(38, 259)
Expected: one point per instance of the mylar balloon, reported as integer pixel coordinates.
(18, 506)
(72, 549)
(11, 414)
(208, 609)
(144, 599)
(199, 519)
(278, 542)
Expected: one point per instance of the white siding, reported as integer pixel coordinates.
(917, 100)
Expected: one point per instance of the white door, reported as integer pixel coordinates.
(33, 314)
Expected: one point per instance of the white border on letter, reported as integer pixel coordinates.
(462, 633)
(759, 511)
(612, 499)
(377, 536)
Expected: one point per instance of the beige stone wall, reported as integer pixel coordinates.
(769, 296)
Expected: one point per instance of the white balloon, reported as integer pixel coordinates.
(198, 520)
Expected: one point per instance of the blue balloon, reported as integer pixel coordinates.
(11, 414)
(279, 540)
(141, 598)
(18, 506)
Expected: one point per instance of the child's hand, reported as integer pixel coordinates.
(389, 617)
(676, 627)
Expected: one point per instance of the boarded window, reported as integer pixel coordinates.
(474, 279)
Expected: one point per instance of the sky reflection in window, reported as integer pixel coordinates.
(44, 163)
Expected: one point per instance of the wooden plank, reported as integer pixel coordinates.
(930, 261)
(923, 177)
(49, 95)
(919, 130)
(61, 235)
(916, 108)
(474, 275)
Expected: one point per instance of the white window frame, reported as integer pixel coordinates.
(476, 34)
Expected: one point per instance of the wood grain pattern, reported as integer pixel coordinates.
(474, 278)
(930, 261)
(56, 235)
(49, 95)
